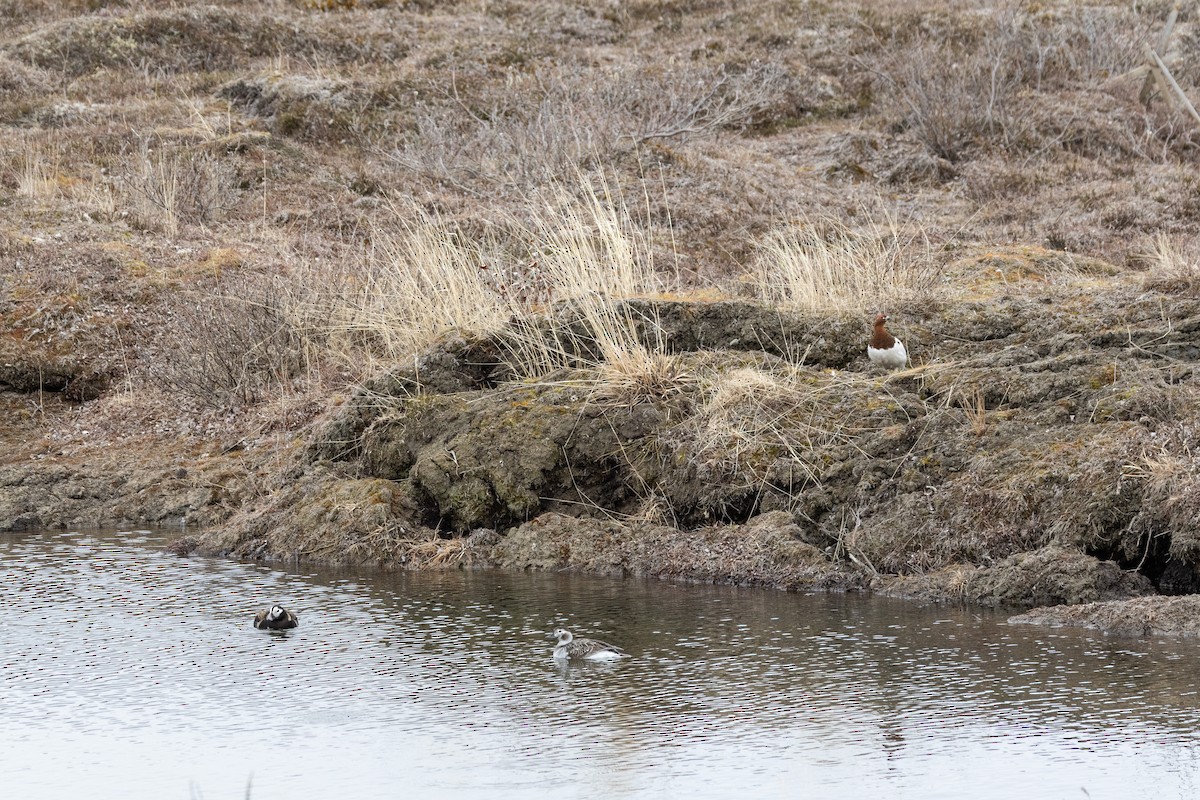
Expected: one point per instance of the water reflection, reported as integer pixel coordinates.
(141, 670)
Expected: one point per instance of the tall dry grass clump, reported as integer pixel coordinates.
(421, 281)
(549, 287)
(825, 266)
(1173, 265)
(590, 257)
(587, 245)
(37, 173)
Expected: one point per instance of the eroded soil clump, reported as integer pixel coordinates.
(1035, 462)
(1150, 616)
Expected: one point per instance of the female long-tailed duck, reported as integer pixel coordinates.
(568, 647)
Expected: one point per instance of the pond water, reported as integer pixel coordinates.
(129, 672)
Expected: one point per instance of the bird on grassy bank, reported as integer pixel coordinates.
(275, 618)
(884, 349)
(568, 647)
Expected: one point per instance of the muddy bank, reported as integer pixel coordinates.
(1148, 616)
(1037, 454)
(123, 489)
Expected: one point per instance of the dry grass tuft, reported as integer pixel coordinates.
(641, 376)
(976, 411)
(437, 553)
(587, 245)
(582, 256)
(37, 174)
(1173, 266)
(825, 266)
(590, 256)
(549, 287)
(422, 280)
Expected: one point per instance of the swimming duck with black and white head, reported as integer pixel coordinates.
(275, 618)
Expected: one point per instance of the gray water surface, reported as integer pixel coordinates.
(130, 673)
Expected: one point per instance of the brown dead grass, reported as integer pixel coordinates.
(782, 426)
(1173, 265)
(826, 266)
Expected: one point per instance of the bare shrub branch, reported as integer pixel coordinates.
(170, 186)
(546, 125)
(955, 94)
(228, 349)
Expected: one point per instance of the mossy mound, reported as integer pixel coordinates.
(198, 38)
(1052, 576)
(496, 459)
(121, 489)
(1024, 462)
(327, 517)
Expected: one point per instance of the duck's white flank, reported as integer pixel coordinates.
(569, 647)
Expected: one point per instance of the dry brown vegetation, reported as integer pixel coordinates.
(219, 220)
(806, 146)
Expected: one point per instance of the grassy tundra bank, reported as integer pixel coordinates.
(576, 285)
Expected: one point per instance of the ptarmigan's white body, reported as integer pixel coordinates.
(893, 357)
(884, 349)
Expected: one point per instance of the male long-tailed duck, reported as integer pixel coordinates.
(275, 618)
(884, 349)
(568, 647)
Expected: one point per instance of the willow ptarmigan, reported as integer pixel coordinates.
(884, 349)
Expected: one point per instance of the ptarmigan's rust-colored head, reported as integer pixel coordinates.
(881, 339)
